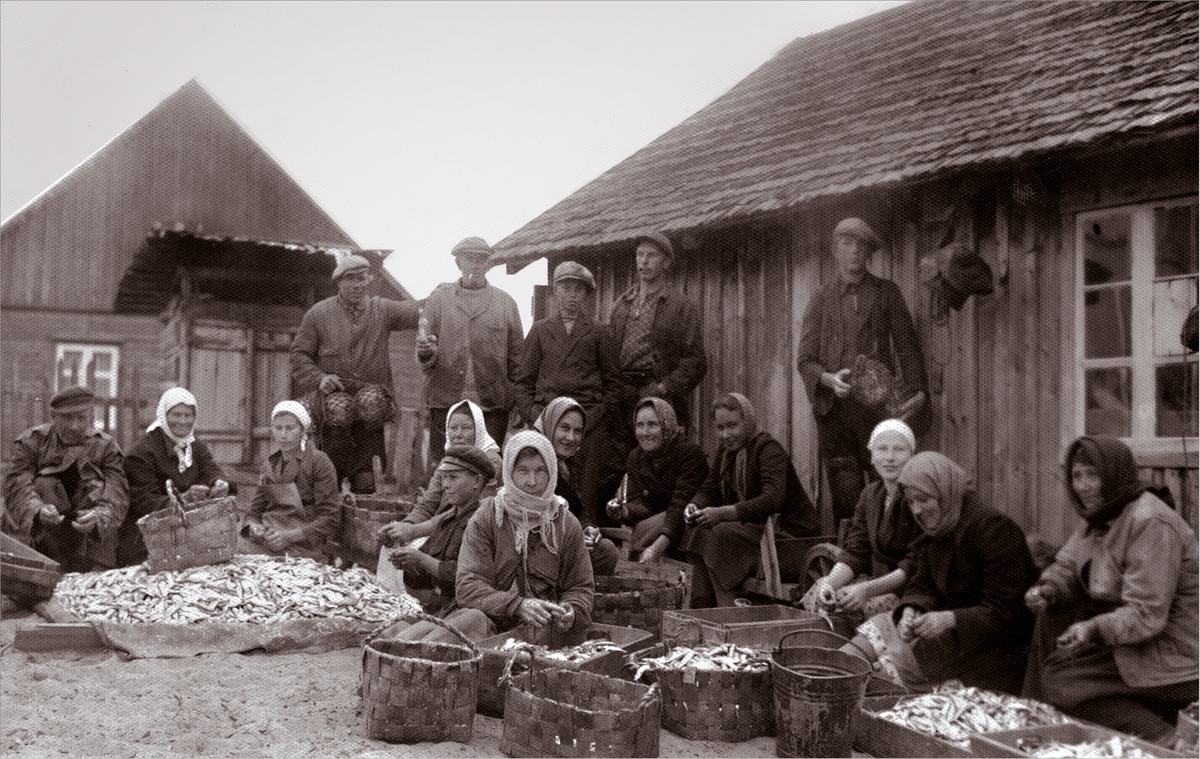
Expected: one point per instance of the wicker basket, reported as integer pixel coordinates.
(637, 594)
(558, 712)
(362, 517)
(712, 705)
(415, 691)
(178, 538)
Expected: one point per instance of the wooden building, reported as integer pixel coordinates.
(1057, 140)
(178, 253)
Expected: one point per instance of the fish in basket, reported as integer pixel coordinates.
(187, 535)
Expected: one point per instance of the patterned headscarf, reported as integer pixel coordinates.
(933, 473)
(296, 409)
(483, 441)
(183, 445)
(1119, 481)
(666, 418)
(528, 513)
(547, 422)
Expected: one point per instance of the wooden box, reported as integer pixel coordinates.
(26, 576)
(759, 627)
(876, 736)
(1008, 742)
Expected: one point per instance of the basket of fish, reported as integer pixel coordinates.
(637, 594)
(362, 516)
(713, 693)
(604, 652)
(1066, 740)
(940, 724)
(760, 627)
(187, 535)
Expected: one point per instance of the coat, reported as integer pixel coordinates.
(581, 365)
(315, 478)
(328, 342)
(483, 323)
(665, 482)
(864, 550)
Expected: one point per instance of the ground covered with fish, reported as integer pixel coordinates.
(91, 704)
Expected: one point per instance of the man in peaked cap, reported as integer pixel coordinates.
(856, 315)
(342, 346)
(66, 492)
(474, 346)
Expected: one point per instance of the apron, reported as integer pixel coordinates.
(286, 512)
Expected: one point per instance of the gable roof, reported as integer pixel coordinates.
(185, 162)
(907, 93)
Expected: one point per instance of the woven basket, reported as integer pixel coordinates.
(178, 538)
(558, 712)
(362, 517)
(637, 594)
(415, 691)
(712, 705)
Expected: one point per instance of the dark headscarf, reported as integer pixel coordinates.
(1119, 483)
(935, 474)
(738, 459)
(547, 423)
(666, 419)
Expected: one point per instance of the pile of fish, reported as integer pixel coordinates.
(585, 651)
(256, 589)
(1115, 746)
(953, 713)
(725, 657)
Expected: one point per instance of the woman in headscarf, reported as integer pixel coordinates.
(168, 451)
(1116, 636)
(961, 614)
(876, 550)
(464, 426)
(751, 478)
(564, 422)
(295, 510)
(522, 559)
(664, 471)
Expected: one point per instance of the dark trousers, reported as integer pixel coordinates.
(843, 433)
(495, 420)
(351, 451)
(75, 551)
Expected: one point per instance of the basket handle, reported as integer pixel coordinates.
(176, 501)
(420, 616)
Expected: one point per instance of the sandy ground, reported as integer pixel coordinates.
(96, 704)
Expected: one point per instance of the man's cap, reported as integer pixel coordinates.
(858, 229)
(350, 263)
(72, 399)
(658, 239)
(574, 270)
(475, 247)
(469, 458)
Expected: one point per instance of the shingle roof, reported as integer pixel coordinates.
(911, 92)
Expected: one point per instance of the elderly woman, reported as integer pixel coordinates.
(563, 421)
(522, 559)
(295, 510)
(464, 426)
(665, 470)
(751, 478)
(877, 548)
(961, 615)
(168, 451)
(1116, 636)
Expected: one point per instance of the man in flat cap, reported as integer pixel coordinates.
(474, 346)
(66, 492)
(342, 347)
(858, 320)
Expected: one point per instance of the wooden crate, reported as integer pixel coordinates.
(1007, 742)
(759, 627)
(26, 575)
(636, 594)
(876, 736)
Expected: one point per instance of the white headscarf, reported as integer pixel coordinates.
(483, 441)
(183, 445)
(526, 512)
(897, 426)
(296, 409)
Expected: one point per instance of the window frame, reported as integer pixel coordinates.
(112, 377)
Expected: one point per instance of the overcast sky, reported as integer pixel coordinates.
(412, 124)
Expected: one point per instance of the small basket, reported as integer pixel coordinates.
(559, 712)
(637, 594)
(362, 516)
(178, 538)
(417, 690)
(713, 705)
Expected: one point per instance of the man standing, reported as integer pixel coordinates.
(66, 492)
(342, 347)
(855, 320)
(473, 349)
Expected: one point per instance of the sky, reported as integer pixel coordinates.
(412, 124)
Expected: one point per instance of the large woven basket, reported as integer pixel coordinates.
(202, 533)
(415, 691)
(558, 712)
(713, 705)
(362, 517)
(637, 594)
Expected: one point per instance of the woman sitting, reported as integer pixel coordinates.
(877, 547)
(168, 451)
(751, 478)
(523, 560)
(296, 508)
(464, 426)
(664, 471)
(1116, 635)
(563, 421)
(961, 614)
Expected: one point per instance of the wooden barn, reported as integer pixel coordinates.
(1057, 140)
(178, 253)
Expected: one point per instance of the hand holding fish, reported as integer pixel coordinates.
(904, 628)
(933, 624)
(538, 613)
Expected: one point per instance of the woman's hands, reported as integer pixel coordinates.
(278, 539)
(411, 559)
(928, 625)
(1078, 637)
(655, 550)
(1039, 597)
(709, 517)
(538, 613)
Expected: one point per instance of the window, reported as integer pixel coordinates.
(1137, 269)
(92, 366)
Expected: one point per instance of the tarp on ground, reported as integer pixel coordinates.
(151, 640)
